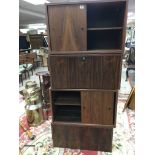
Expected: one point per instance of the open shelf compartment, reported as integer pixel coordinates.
(66, 106)
(100, 39)
(105, 15)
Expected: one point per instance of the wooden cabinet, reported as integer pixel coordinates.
(86, 41)
(86, 71)
(67, 25)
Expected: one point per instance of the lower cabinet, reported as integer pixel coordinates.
(79, 137)
(83, 119)
(88, 107)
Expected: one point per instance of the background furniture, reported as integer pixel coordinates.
(130, 60)
(130, 103)
(37, 41)
(26, 64)
(85, 61)
(23, 44)
(20, 77)
(44, 54)
(44, 80)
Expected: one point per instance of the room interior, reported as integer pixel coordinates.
(42, 69)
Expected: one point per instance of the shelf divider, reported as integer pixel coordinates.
(104, 28)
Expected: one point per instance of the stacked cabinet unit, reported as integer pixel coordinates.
(86, 43)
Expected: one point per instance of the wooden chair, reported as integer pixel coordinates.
(130, 103)
(22, 60)
(20, 78)
(30, 59)
(35, 59)
(26, 64)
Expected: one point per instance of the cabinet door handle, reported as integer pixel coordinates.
(83, 58)
(109, 108)
(82, 28)
(84, 107)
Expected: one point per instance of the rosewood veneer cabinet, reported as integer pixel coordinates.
(86, 43)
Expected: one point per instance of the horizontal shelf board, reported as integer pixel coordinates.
(104, 28)
(82, 124)
(67, 102)
(68, 119)
(85, 90)
(97, 51)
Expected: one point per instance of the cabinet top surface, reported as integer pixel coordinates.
(59, 2)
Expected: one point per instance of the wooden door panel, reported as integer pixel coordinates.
(105, 72)
(68, 30)
(85, 72)
(97, 107)
(59, 70)
(88, 138)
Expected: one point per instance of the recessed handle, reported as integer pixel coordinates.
(84, 107)
(82, 28)
(83, 58)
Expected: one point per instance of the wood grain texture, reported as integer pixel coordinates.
(85, 72)
(97, 107)
(87, 138)
(79, 61)
(67, 26)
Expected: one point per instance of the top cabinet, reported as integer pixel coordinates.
(67, 27)
(87, 27)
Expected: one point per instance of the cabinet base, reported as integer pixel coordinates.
(84, 138)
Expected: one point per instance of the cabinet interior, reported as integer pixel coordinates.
(104, 39)
(105, 15)
(105, 25)
(67, 106)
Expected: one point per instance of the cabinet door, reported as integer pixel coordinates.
(67, 27)
(98, 107)
(85, 72)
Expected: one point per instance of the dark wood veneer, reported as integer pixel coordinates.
(86, 43)
(68, 27)
(97, 107)
(87, 138)
(85, 72)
